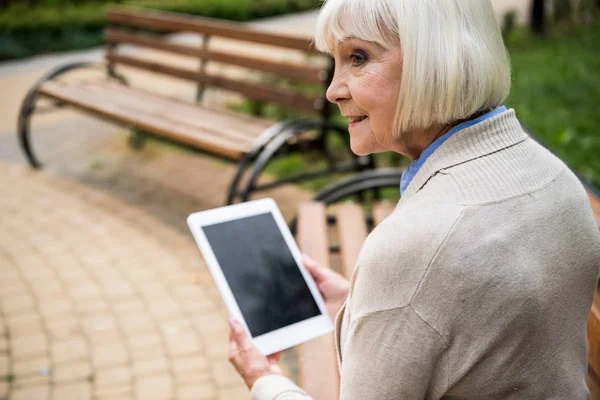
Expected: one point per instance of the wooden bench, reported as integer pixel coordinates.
(593, 325)
(334, 238)
(250, 141)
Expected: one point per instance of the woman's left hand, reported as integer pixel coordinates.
(247, 359)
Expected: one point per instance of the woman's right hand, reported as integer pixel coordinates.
(333, 287)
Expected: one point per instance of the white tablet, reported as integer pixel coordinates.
(257, 267)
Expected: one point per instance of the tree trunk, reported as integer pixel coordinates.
(538, 16)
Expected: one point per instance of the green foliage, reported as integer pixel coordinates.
(57, 25)
(556, 93)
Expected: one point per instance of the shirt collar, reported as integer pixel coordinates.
(415, 166)
(489, 136)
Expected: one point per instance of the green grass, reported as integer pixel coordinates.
(59, 26)
(556, 93)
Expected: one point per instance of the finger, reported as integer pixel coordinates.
(275, 357)
(318, 273)
(238, 334)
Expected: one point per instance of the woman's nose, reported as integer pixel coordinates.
(338, 90)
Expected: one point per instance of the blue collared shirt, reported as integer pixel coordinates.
(413, 168)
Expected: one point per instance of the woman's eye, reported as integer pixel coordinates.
(358, 58)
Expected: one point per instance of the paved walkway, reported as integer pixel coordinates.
(103, 293)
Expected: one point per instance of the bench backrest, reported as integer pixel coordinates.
(593, 324)
(144, 28)
(333, 240)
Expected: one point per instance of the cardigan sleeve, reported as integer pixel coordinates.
(393, 354)
(274, 387)
(390, 354)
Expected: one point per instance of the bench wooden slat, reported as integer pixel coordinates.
(352, 232)
(255, 91)
(381, 210)
(219, 121)
(173, 22)
(286, 70)
(593, 334)
(595, 202)
(177, 132)
(171, 110)
(318, 371)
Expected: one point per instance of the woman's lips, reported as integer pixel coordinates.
(352, 124)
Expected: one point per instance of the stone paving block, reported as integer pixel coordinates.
(183, 343)
(202, 391)
(136, 323)
(194, 368)
(225, 374)
(28, 381)
(37, 272)
(174, 327)
(48, 292)
(114, 391)
(14, 305)
(92, 307)
(37, 393)
(72, 371)
(75, 391)
(211, 322)
(237, 393)
(154, 387)
(164, 308)
(71, 273)
(118, 289)
(219, 343)
(55, 308)
(29, 346)
(73, 349)
(115, 396)
(3, 343)
(4, 389)
(113, 376)
(84, 291)
(31, 366)
(99, 323)
(4, 367)
(9, 276)
(109, 354)
(150, 291)
(25, 324)
(141, 275)
(63, 327)
(128, 306)
(150, 366)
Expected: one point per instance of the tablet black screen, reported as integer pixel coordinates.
(261, 272)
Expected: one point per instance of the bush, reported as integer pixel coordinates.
(56, 25)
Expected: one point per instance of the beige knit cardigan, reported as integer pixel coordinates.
(479, 284)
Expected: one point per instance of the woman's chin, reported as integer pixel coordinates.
(360, 148)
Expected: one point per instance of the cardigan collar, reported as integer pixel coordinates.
(487, 137)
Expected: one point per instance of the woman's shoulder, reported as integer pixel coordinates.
(396, 255)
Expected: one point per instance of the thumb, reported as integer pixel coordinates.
(237, 333)
(313, 267)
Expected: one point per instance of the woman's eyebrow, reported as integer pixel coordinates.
(344, 41)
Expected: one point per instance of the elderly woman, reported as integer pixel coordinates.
(479, 284)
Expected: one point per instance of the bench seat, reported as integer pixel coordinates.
(221, 132)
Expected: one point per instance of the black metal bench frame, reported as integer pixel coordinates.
(279, 139)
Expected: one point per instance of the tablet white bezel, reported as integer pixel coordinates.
(282, 338)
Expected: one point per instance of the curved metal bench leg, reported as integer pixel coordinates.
(263, 140)
(24, 123)
(28, 106)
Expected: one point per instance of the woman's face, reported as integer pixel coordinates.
(365, 86)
